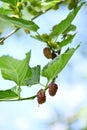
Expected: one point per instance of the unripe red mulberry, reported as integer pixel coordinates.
(41, 97)
(47, 52)
(52, 89)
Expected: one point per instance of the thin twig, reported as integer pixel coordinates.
(21, 99)
(8, 35)
(43, 12)
(12, 32)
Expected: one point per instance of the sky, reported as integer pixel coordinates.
(72, 81)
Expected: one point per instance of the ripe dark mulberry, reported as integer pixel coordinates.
(41, 97)
(47, 52)
(53, 55)
(52, 89)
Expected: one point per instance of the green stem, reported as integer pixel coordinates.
(19, 91)
(21, 99)
(8, 35)
(41, 13)
(12, 32)
(46, 87)
(42, 84)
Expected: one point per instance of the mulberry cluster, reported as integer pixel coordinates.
(52, 89)
(48, 53)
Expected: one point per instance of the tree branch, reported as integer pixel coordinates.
(21, 99)
(12, 32)
(8, 35)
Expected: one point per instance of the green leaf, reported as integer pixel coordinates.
(15, 89)
(37, 37)
(42, 38)
(21, 23)
(5, 11)
(0, 32)
(66, 41)
(70, 28)
(49, 4)
(7, 94)
(12, 2)
(15, 70)
(63, 25)
(35, 79)
(53, 68)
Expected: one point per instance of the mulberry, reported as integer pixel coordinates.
(47, 52)
(52, 89)
(41, 97)
(53, 55)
